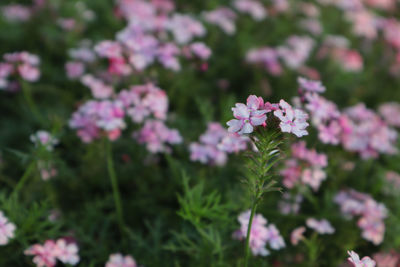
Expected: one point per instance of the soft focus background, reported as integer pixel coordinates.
(133, 84)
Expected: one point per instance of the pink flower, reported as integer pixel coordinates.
(260, 234)
(44, 138)
(118, 260)
(16, 13)
(372, 213)
(75, 69)
(200, 50)
(310, 85)
(297, 235)
(67, 253)
(98, 88)
(222, 17)
(184, 28)
(252, 7)
(7, 229)
(267, 57)
(247, 116)
(391, 113)
(157, 136)
(109, 49)
(292, 120)
(354, 259)
(322, 227)
(313, 177)
(44, 255)
(28, 72)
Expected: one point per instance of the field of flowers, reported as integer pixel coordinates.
(199, 133)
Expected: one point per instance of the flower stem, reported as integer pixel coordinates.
(26, 90)
(24, 178)
(246, 252)
(114, 184)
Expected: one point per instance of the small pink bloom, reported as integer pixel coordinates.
(292, 120)
(28, 72)
(322, 227)
(7, 230)
(247, 116)
(354, 259)
(297, 235)
(118, 260)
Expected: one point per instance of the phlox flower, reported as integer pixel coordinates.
(67, 253)
(247, 116)
(95, 117)
(167, 56)
(223, 17)
(7, 229)
(292, 120)
(45, 139)
(372, 213)
(74, 69)
(98, 88)
(290, 204)
(142, 101)
(157, 136)
(119, 260)
(267, 57)
(313, 177)
(260, 234)
(297, 235)
(322, 227)
(310, 85)
(108, 49)
(184, 28)
(296, 51)
(387, 259)
(16, 13)
(200, 50)
(354, 259)
(215, 144)
(391, 113)
(254, 8)
(46, 255)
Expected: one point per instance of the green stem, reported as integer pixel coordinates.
(114, 183)
(246, 252)
(26, 90)
(24, 178)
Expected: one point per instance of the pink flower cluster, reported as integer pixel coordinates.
(252, 7)
(7, 229)
(354, 259)
(154, 34)
(357, 128)
(337, 48)
(223, 17)
(99, 89)
(20, 64)
(215, 144)
(290, 204)
(254, 113)
(261, 234)
(142, 101)
(294, 53)
(372, 213)
(390, 113)
(387, 259)
(46, 255)
(45, 139)
(157, 136)
(96, 118)
(119, 260)
(16, 13)
(322, 227)
(304, 167)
